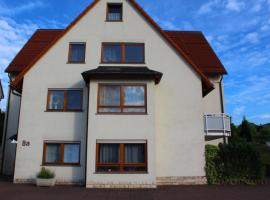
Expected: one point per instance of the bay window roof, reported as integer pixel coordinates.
(122, 73)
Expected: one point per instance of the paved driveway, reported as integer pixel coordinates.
(8, 191)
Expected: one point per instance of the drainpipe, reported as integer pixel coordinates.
(222, 104)
(87, 121)
(221, 95)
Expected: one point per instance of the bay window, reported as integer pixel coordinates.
(122, 98)
(121, 157)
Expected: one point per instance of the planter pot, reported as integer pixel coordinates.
(45, 182)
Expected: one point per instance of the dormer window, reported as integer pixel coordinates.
(114, 12)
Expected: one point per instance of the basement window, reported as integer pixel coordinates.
(114, 12)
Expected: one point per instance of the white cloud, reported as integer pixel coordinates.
(12, 38)
(239, 111)
(252, 37)
(262, 116)
(257, 7)
(207, 7)
(5, 10)
(235, 5)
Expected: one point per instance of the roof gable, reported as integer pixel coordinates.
(207, 85)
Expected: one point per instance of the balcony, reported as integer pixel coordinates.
(217, 125)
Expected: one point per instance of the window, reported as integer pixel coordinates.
(114, 12)
(76, 53)
(129, 157)
(61, 153)
(123, 53)
(122, 99)
(64, 100)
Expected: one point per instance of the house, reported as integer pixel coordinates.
(114, 101)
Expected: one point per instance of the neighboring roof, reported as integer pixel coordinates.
(207, 85)
(34, 46)
(199, 50)
(128, 73)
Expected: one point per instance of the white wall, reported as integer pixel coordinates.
(212, 104)
(121, 127)
(176, 103)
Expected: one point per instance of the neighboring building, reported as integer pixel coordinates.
(114, 101)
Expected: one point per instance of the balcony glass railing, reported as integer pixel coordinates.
(217, 125)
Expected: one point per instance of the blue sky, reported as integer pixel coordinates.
(238, 30)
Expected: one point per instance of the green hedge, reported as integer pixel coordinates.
(211, 153)
(233, 163)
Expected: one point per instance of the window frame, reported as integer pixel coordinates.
(122, 96)
(122, 163)
(62, 153)
(107, 12)
(65, 100)
(122, 45)
(70, 53)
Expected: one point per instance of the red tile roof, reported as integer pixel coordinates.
(34, 46)
(199, 50)
(193, 43)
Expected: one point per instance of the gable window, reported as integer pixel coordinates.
(64, 100)
(114, 12)
(121, 157)
(132, 53)
(122, 99)
(55, 153)
(76, 53)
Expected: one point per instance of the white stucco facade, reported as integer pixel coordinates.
(172, 127)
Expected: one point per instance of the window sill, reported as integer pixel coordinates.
(65, 111)
(121, 113)
(120, 63)
(114, 20)
(60, 165)
(76, 62)
(121, 173)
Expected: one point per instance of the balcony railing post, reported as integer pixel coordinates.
(223, 120)
(206, 124)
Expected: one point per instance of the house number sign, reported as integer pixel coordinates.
(25, 143)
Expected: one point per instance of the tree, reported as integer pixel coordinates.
(245, 130)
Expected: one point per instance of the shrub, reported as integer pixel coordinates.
(240, 163)
(233, 163)
(211, 152)
(45, 174)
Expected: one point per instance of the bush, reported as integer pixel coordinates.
(239, 163)
(210, 168)
(45, 174)
(233, 163)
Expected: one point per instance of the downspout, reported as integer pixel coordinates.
(221, 95)
(222, 103)
(87, 121)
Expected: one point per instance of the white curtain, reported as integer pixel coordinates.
(71, 153)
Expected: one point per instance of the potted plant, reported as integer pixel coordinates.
(45, 178)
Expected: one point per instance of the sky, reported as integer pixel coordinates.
(238, 31)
